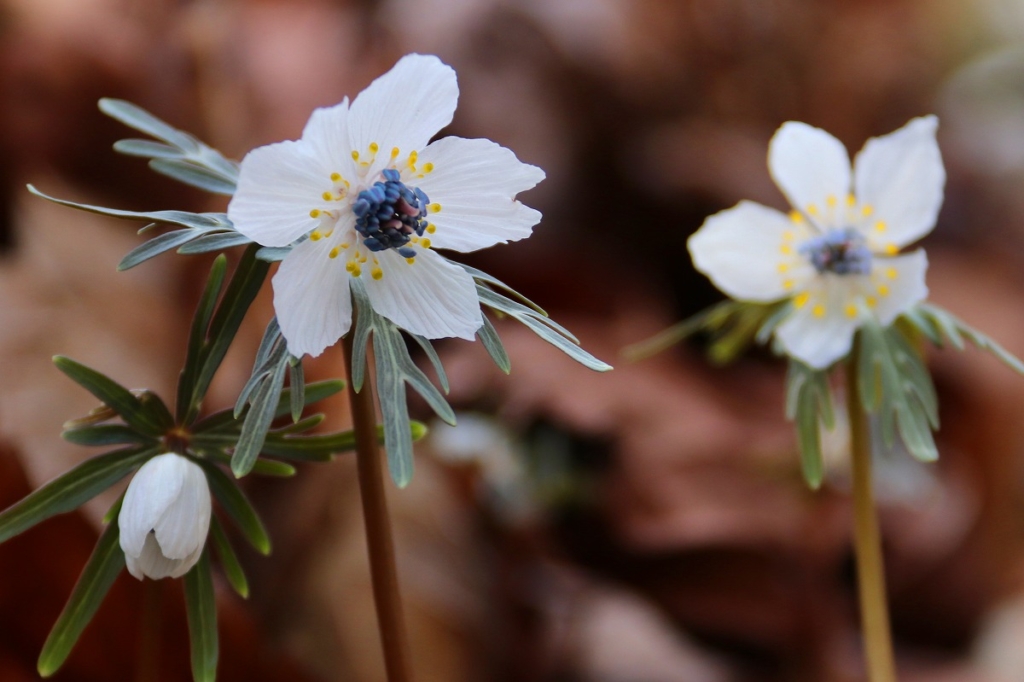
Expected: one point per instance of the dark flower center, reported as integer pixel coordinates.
(390, 213)
(843, 252)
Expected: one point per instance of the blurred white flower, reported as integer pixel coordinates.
(372, 198)
(165, 517)
(835, 255)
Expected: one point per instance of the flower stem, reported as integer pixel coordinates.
(874, 611)
(383, 572)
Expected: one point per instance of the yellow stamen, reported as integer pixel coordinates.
(812, 209)
(789, 235)
(315, 213)
(818, 310)
(867, 209)
(871, 301)
(880, 226)
(831, 201)
(892, 273)
(334, 252)
(395, 151)
(892, 249)
(425, 243)
(851, 310)
(410, 261)
(883, 290)
(434, 207)
(851, 200)
(788, 284)
(427, 167)
(796, 216)
(355, 155)
(786, 249)
(315, 235)
(327, 196)
(335, 177)
(800, 300)
(374, 147)
(783, 267)
(376, 273)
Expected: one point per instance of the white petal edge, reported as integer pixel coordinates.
(183, 527)
(150, 493)
(475, 181)
(278, 185)
(311, 297)
(809, 166)
(404, 108)
(430, 297)
(819, 341)
(901, 176)
(326, 134)
(905, 290)
(740, 250)
(151, 563)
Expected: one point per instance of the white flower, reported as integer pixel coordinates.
(165, 517)
(834, 255)
(374, 199)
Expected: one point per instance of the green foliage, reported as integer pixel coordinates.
(809, 405)
(102, 569)
(201, 610)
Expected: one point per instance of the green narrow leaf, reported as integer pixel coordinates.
(488, 336)
(199, 221)
(201, 610)
(435, 361)
(297, 382)
(106, 434)
(156, 410)
(100, 571)
(147, 149)
(216, 241)
(314, 393)
(136, 117)
(237, 505)
(70, 490)
(156, 246)
(809, 436)
(189, 173)
(197, 335)
(490, 279)
(110, 393)
(228, 559)
(244, 286)
(257, 420)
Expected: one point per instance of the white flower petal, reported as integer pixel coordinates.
(750, 252)
(810, 166)
(278, 185)
(405, 107)
(903, 279)
(183, 527)
(820, 331)
(311, 297)
(475, 182)
(326, 133)
(430, 297)
(152, 490)
(184, 565)
(151, 563)
(901, 177)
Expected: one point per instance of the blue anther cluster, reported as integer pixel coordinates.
(390, 213)
(843, 252)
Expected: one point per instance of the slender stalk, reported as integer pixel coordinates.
(874, 611)
(383, 572)
(147, 666)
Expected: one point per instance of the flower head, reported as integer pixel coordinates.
(836, 256)
(371, 199)
(164, 517)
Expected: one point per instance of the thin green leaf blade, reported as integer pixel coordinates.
(238, 507)
(201, 610)
(99, 574)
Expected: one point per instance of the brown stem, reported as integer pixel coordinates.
(383, 572)
(874, 611)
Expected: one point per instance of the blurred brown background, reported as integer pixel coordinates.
(649, 525)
